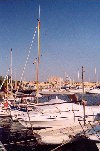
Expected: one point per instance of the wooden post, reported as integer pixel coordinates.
(84, 112)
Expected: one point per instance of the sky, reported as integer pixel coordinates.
(69, 37)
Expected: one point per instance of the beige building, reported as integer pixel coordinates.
(56, 81)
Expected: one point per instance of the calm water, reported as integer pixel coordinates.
(16, 138)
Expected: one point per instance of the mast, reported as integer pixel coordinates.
(38, 61)
(7, 87)
(11, 69)
(82, 79)
(83, 101)
(39, 37)
(95, 70)
(15, 82)
(78, 74)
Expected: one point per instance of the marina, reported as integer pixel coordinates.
(49, 97)
(14, 134)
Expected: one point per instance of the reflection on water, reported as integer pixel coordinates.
(92, 99)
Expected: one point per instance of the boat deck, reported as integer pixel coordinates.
(58, 135)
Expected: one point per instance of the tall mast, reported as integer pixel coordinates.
(83, 101)
(7, 87)
(95, 70)
(82, 79)
(78, 74)
(38, 61)
(11, 69)
(39, 37)
(15, 81)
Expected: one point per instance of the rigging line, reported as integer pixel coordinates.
(82, 128)
(4, 78)
(96, 132)
(31, 44)
(65, 142)
(25, 68)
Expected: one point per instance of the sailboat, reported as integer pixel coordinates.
(56, 112)
(94, 91)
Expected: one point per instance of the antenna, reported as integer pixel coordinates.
(39, 12)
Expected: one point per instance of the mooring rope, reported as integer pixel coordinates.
(65, 142)
(96, 132)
